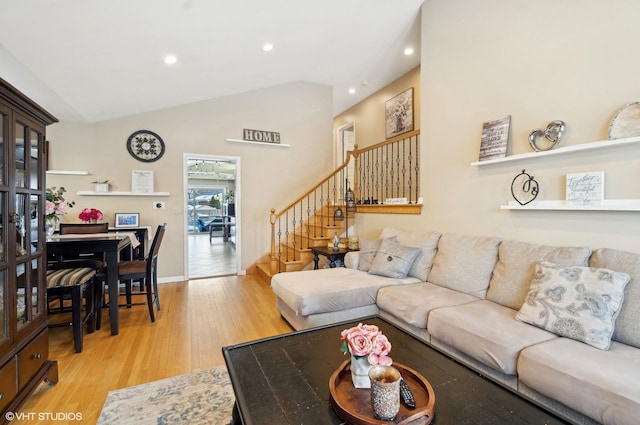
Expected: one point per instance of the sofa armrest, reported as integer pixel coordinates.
(351, 259)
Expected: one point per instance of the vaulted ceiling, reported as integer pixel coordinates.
(93, 60)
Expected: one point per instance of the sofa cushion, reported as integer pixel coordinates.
(465, 263)
(512, 275)
(325, 290)
(486, 331)
(412, 303)
(627, 329)
(393, 259)
(352, 259)
(368, 249)
(428, 244)
(581, 303)
(601, 384)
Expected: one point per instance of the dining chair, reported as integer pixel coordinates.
(88, 259)
(142, 271)
(75, 283)
(72, 279)
(83, 228)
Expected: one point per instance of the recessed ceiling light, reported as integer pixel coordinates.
(352, 91)
(170, 60)
(267, 47)
(408, 51)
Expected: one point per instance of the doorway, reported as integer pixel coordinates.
(346, 141)
(211, 215)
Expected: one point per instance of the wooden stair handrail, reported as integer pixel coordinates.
(274, 216)
(323, 181)
(354, 153)
(403, 136)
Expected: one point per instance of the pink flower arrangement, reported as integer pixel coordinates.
(89, 214)
(367, 340)
(55, 204)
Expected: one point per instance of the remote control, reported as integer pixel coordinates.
(407, 395)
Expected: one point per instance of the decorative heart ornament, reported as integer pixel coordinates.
(524, 188)
(552, 133)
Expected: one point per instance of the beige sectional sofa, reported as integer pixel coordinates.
(559, 325)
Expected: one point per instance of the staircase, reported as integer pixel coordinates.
(293, 247)
(388, 170)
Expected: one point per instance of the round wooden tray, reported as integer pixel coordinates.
(353, 405)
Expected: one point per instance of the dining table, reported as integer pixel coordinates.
(108, 243)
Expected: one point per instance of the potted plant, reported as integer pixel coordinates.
(101, 186)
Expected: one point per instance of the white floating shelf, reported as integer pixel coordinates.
(68, 172)
(92, 193)
(567, 149)
(282, 145)
(559, 205)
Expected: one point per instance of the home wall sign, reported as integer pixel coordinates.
(261, 136)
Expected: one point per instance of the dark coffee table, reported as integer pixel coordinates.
(285, 380)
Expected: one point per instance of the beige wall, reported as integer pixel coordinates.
(537, 61)
(368, 115)
(269, 176)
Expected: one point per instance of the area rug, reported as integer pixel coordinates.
(204, 397)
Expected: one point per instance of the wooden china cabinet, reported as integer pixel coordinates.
(24, 343)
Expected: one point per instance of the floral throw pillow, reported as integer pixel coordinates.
(581, 303)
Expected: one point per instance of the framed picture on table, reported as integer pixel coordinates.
(127, 220)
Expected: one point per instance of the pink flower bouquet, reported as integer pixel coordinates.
(367, 340)
(55, 204)
(90, 214)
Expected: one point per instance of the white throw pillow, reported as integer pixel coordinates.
(580, 303)
(428, 244)
(393, 260)
(368, 250)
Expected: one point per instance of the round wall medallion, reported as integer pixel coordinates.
(145, 146)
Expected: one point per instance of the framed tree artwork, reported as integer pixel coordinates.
(399, 114)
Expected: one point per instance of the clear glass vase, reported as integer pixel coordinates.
(50, 227)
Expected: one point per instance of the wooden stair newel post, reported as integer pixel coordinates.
(273, 263)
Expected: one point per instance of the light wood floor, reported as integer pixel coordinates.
(197, 318)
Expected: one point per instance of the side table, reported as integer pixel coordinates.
(335, 256)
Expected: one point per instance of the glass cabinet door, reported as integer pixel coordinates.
(21, 293)
(26, 223)
(4, 281)
(4, 311)
(28, 303)
(4, 137)
(35, 182)
(19, 155)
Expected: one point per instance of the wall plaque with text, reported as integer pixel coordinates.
(585, 189)
(261, 136)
